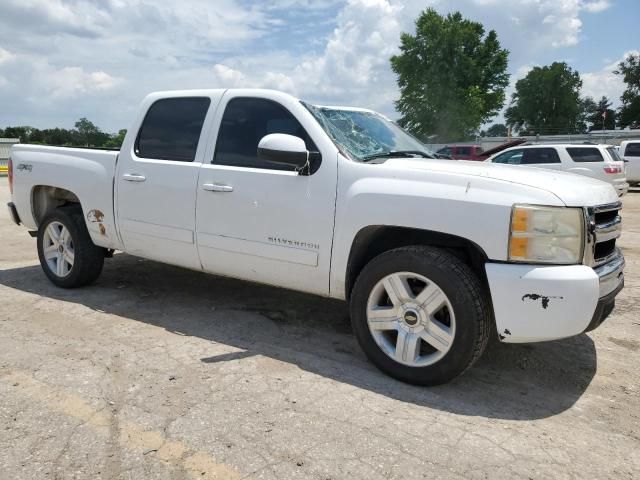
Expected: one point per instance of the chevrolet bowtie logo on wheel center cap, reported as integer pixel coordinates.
(410, 317)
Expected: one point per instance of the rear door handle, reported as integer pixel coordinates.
(217, 187)
(133, 177)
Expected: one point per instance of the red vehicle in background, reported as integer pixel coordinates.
(475, 152)
(463, 152)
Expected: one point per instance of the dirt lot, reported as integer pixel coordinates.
(159, 372)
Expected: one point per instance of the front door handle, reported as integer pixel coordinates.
(133, 177)
(217, 187)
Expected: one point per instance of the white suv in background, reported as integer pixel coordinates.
(630, 153)
(596, 161)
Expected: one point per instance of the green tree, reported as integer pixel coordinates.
(23, 133)
(88, 134)
(58, 136)
(588, 108)
(497, 130)
(85, 134)
(547, 101)
(451, 76)
(602, 115)
(629, 114)
(115, 140)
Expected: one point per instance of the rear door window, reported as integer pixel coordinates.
(533, 156)
(613, 153)
(463, 150)
(171, 129)
(512, 157)
(585, 154)
(632, 150)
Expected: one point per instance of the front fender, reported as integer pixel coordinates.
(477, 209)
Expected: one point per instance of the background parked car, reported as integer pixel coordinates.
(597, 161)
(462, 152)
(630, 153)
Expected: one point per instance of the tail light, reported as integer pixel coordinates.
(10, 175)
(612, 169)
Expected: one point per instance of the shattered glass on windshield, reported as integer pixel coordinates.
(364, 134)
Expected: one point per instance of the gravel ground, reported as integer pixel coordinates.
(159, 372)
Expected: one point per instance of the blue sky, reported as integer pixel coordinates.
(64, 59)
(608, 33)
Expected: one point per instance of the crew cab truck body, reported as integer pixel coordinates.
(432, 255)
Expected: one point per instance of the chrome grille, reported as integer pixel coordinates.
(605, 226)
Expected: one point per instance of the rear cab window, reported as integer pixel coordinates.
(585, 154)
(171, 129)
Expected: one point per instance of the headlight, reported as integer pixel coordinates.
(546, 234)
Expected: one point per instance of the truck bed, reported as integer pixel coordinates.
(85, 172)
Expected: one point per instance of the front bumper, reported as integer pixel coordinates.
(534, 303)
(13, 213)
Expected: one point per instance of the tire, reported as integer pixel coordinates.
(433, 325)
(72, 260)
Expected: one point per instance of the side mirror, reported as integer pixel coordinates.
(288, 150)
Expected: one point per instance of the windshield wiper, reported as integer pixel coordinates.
(398, 153)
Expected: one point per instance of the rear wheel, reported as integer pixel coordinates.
(420, 315)
(67, 255)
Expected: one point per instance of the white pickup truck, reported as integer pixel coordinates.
(432, 255)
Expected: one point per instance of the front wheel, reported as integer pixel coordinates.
(67, 255)
(420, 315)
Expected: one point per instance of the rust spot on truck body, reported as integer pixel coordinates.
(95, 216)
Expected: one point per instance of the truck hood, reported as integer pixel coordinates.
(573, 190)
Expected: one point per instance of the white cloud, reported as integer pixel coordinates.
(71, 82)
(605, 82)
(228, 76)
(306, 4)
(5, 56)
(354, 66)
(70, 54)
(355, 62)
(78, 18)
(596, 6)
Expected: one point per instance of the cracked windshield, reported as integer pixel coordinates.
(366, 135)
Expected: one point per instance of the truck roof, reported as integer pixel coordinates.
(247, 92)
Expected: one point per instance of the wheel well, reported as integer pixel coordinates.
(45, 198)
(374, 240)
